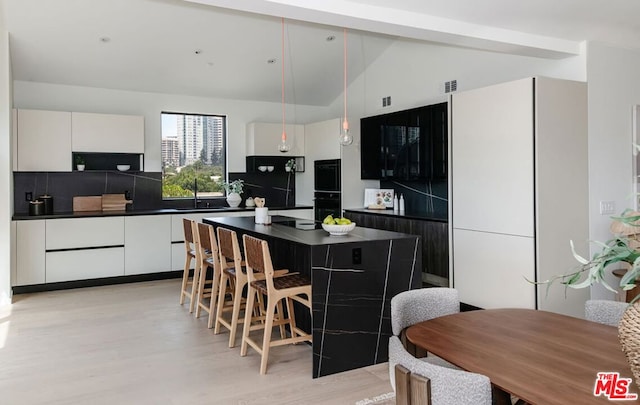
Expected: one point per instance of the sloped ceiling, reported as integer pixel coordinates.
(220, 48)
(178, 47)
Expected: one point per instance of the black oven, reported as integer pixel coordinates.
(327, 175)
(326, 204)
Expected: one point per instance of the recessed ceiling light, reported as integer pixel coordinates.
(104, 39)
(210, 64)
(198, 51)
(331, 38)
(271, 61)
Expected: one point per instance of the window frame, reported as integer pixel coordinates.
(224, 156)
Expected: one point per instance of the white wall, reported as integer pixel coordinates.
(321, 143)
(413, 74)
(614, 88)
(46, 96)
(6, 192)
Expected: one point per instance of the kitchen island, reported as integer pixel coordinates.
(353, 279)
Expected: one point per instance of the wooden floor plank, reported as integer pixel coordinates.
(133, 343)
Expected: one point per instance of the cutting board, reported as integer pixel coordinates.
(91, 203)
(114, 202)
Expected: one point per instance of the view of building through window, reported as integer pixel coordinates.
(193, 155)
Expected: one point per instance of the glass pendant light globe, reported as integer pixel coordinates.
(346, 138)
(284, 146)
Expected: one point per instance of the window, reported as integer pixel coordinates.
(193, 155)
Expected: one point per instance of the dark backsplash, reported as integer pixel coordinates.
(144, 188)
(278, 188)
(421, 197)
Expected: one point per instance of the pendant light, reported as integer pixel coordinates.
(346, 138)
(284, 145)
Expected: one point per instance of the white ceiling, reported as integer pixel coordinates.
(153, 43)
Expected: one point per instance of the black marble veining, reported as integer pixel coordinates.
(144, 188)
(350, 320)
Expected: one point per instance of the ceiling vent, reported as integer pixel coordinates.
(450, 86)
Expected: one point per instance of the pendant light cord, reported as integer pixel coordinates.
(284, 134)
(345, 124)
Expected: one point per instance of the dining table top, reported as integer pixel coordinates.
(540, 357)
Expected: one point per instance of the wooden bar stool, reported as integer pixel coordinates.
(188, 285)
(290, 287)
(207, 256)
(232, 277)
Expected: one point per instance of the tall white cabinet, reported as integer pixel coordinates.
(519, 192)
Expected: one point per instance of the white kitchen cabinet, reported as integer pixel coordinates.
(43, 141)
(147, 244)
(72, 265)
(76, 233)
(84, 248)
(519, 192)
(30, 256)
(263, 139)
(107, 133)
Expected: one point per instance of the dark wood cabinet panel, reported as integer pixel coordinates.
(434, 236)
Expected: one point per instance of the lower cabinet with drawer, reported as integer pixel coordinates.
(84, 248)
(84, 264)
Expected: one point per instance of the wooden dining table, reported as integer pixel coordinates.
(540, 357)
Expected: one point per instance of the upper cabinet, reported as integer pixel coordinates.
(107, 133)
(263, 139)
(43, 141)
(405, 145)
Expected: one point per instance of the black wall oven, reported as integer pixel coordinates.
(327, 189)
(326, 175)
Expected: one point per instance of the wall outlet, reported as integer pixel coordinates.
(607, 207)
(386, 101)
(356, 255)
(28, 196)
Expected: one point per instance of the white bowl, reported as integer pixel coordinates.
(338, 230)
(262, 168)
(270, 168)
(123, 168)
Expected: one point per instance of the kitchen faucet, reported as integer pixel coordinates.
(195, 192)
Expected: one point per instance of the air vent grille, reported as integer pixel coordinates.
(450, 86)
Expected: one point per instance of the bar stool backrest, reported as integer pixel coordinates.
(188, 230)
(258, 258)
(229, 247)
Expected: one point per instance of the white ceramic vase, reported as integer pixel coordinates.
(233, 199)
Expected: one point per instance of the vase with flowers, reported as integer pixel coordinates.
(290, 166)
(233, 189)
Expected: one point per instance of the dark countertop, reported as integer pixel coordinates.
(164, 211)
(312, 237)
(391, 213)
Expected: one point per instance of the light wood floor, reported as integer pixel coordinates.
(134, 344)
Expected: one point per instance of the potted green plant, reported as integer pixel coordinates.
(624, 247)
(80, 164)
(233, 189)
(290, 166)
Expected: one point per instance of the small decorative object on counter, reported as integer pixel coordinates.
(290, 166)
(262, 212)
(233, 189)
(401, 203)
(48, 203)
(396, 205)
(249, 202)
